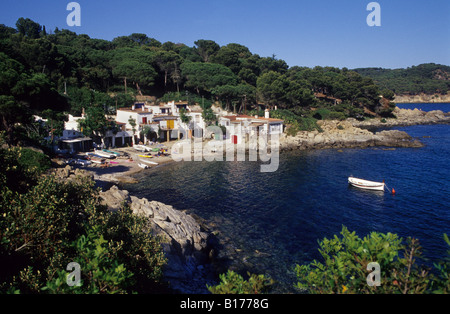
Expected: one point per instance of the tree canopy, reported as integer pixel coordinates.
(429, 78)
(64, 71)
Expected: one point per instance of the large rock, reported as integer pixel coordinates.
(115, 198)
(340, 134)
(186, 244)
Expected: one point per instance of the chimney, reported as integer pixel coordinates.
(267, 114)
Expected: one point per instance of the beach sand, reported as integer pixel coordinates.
(121, 169)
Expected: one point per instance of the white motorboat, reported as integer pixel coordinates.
(365, 184)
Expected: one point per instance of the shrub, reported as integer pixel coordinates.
(326, 114)
(45, 226)
(233, 283)
(100, 272)
(345, 261)
(442, 284)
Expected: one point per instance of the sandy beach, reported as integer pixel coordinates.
(121, 169)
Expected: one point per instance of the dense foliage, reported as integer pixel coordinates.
(45, 224)
(233, 283)
(345, 266)
(61, 71)
(427, 78)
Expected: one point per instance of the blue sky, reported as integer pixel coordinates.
(303, 33)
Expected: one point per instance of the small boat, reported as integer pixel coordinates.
(146, 156)
(111, 152)
(141, 148)
(92, 155)
(82, 162)
(143, 166)
(104, 154)
(150, 162)
(365, 184)
(97, 160)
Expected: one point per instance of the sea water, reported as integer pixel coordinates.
(269, 222)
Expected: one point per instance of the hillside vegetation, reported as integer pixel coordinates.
(427, 79)
(60, 71)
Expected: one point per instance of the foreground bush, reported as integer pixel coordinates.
(345, 267)
(233, 283)
(47, 224)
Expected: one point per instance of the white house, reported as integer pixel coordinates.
(241, 127)
(162, 119)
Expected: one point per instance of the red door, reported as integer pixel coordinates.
(234, 139)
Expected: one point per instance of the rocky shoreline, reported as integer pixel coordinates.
(190, 247)
(352, 133)
(187, 244)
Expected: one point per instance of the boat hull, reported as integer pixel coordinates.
(365, 184)
(141, 148)
(104, 154)
(149, 162)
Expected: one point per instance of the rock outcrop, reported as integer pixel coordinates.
(405, 117)
(422, 98)
(186, 244)
(343, 134)
(68, 173)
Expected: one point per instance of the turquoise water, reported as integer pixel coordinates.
(269, 222)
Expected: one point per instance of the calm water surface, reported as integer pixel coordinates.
(269, 222)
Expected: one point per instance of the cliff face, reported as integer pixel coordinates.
(422, 98)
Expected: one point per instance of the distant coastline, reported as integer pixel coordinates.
(422, 99)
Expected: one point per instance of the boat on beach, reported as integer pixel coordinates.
(142, 148)
(111, 152)
(366, 184)
(104, 154)
(97, 160)
(144, 166)
(149, 162)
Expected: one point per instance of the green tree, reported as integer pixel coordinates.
(209, 116)
(272, 88)
(133, 124)
(133, 64)
(206, 49)
(231, 56)
(169, 63)
(95, 123)
(206, 76)
(27, 27)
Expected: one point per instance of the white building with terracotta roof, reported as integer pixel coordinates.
(241, 127)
